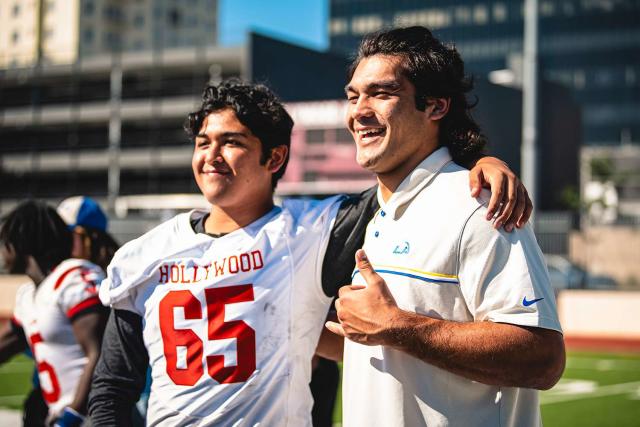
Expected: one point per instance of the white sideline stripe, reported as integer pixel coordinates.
(10, 418)
(607, 390)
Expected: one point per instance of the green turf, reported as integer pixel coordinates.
(15, 381)
(610, 395)
(611, 405)
(590, 409)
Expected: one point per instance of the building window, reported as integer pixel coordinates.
(480, 15)
(547, 8)
(366, 24)
(463, 15)
(138, 20)
(174, 18)
(88, 8)
(15, 37)
(579, 79)
(630, 76)
(16, 9)
(499, 12)
(435, 18)
(87, 35)
(568, 8)
(338, 26)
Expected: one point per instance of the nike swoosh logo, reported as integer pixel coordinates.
(528, 303)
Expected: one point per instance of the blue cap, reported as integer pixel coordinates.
(82, 211)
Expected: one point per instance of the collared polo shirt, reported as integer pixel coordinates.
(441, 258)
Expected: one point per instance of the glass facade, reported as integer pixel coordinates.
(590, 46)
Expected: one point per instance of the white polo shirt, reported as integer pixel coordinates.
(441, 258)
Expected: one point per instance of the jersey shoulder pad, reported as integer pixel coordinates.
(76, 272)
(311, 212)
(135, 261)
(75, 285)
(24, 299)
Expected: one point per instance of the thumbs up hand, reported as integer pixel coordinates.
(365, 314)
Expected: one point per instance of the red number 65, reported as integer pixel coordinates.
(217, 328)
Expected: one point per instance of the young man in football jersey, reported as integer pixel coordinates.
(227, 305)
(58, 315)
(449, 321)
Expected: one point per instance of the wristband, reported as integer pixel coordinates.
(69, 418)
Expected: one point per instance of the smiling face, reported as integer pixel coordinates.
(392, 136)
(227, 162)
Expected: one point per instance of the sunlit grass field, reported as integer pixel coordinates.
(597, 389)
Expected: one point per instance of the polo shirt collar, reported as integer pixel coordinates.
(418, 179)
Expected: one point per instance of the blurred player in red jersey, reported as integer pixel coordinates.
(58, 315)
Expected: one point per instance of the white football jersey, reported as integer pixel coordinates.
(230, 323)
(45, 314)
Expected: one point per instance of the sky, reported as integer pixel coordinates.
(301, 22)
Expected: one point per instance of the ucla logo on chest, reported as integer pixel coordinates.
(402, 249)
(181, 273)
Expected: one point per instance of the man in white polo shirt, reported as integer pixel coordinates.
(450, 321)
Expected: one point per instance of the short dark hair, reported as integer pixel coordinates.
(35, 229)
(436, 71)
(256, 107)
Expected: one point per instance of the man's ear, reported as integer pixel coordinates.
(278, 156)
(437, 108)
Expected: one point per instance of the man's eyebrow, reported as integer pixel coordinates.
(390, 85)
(234, 134)
(224, 135)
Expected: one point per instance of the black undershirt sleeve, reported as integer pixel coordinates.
(120, 374)
(347, 236)
(17, 329)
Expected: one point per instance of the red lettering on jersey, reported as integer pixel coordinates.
(173, 338)
(50, 395)
(235, 268)
(175, 273)
(245, 262)
(217, 299)
(207, 268)
(195, 274)
(164, 273)
(256, 256)
(219, 268)
(183, 276)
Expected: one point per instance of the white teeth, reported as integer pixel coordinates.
(369, 132)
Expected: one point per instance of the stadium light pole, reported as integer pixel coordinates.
(528, 150)
(115, 132)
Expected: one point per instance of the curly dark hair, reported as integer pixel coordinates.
(35, 229)
(256, 107)
(436, 71)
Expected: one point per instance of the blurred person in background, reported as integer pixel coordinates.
(88, 223)
(58, 315)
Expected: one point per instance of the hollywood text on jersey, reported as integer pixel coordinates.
(186, 274)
